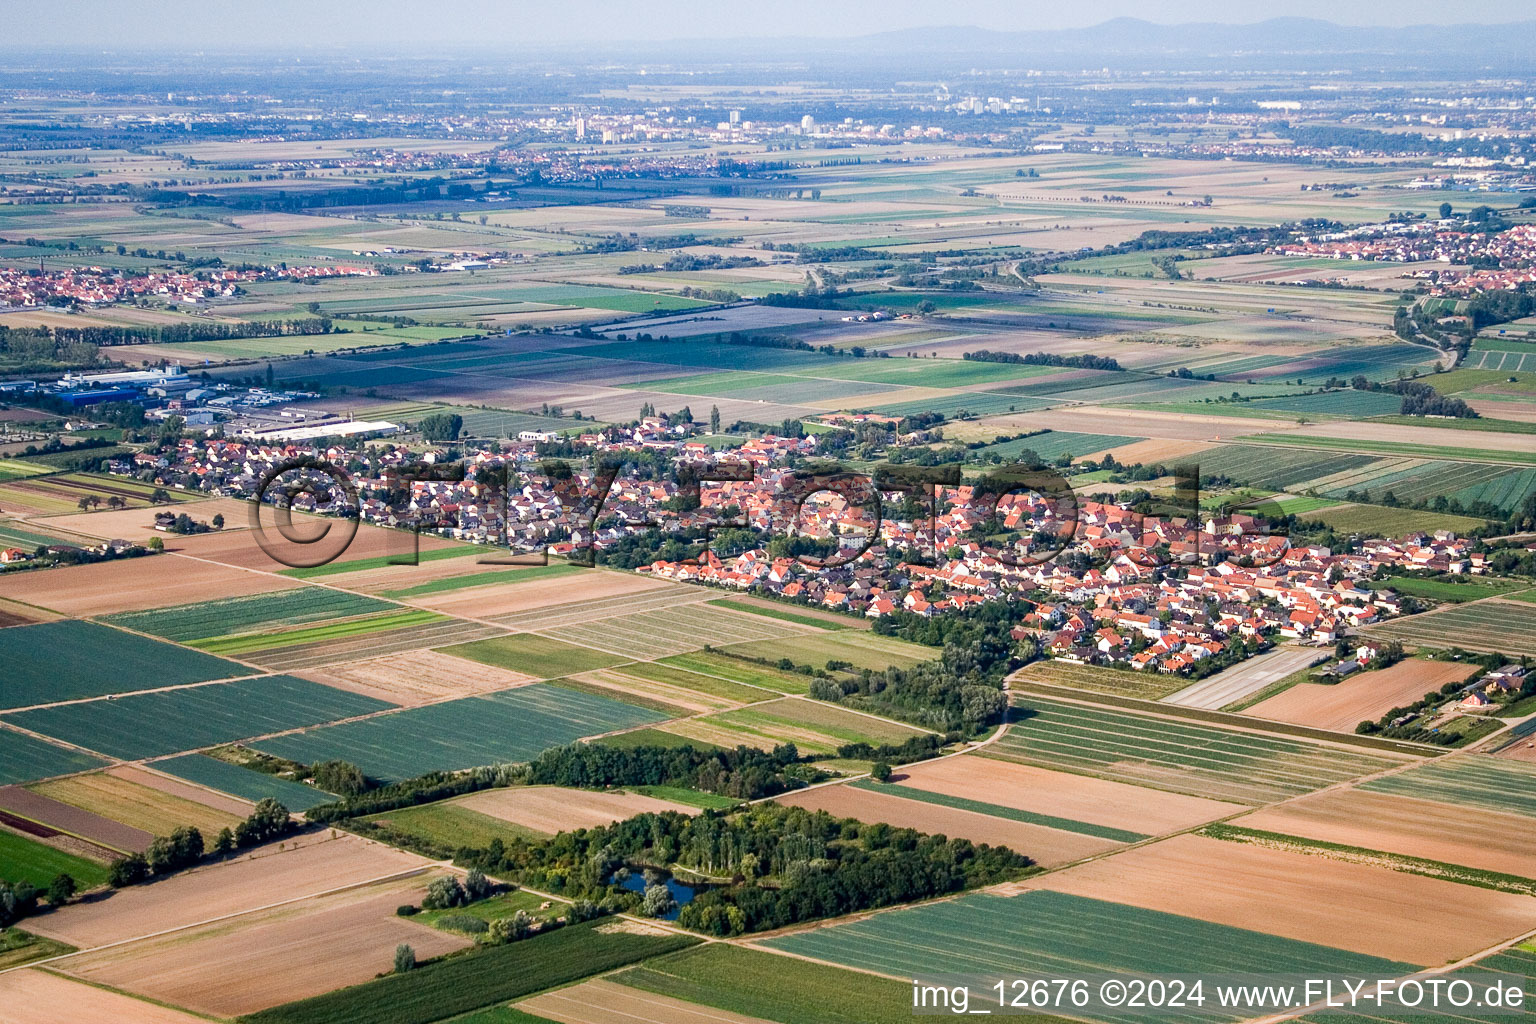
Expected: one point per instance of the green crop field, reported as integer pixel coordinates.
(23, 860)
(1379, 520)
(482, 579)
(1050, 934)
(1185, 757)
(234, 615)
(359, 564)
(512, 725)
(64, 660)
(534, 655)
(1515, 968)
(396, 618)
(245, 783)
(785, 613)
(449, 826)
(1454, 589)
(811, 725)
(1100, 679)
(750, 982)
(491, 974)
(1057, 443)
(716, 663)
(711, 685)
(169, 721)
(862, 650)
(1410, 448)
(1502, 626)
(1473, 780)
(25, 759)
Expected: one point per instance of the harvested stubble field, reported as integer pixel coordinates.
(1476, 780)
(150, 811)
(253, 879)
(1487, 840)
(271, 956)
(24, 758)
(623, 684)
(812, 726)
(535, 656)
(1298, 896)
(58, 661)
(240, 548)
(750, 673)
(1073, 801)
(248, 613)
(245, 783)
(512, 725)
(1222, 764)
(411, 678)
(681, 628)
(75, 819)
(1364, 696)
(551, 809)
(149, 582)
(159, 722)
(1041, 933)
(37, 997)
(1046, 846)
(1508, 627)
(565, 605)
(514, 597)
(138, 525)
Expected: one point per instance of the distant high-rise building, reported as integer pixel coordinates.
(581, 127)
(735, 117)
(807, 125)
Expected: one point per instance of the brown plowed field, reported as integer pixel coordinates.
(265, 875)
(37, 997)
(606, 1002)
(241, 549)
(552, 809)
(74, 820)
(1400, 824)
(151, 582)
(138, 524)
(271, 956)
(145, 809)
(416, 677)
(1078, 797)
(1304, 897)
(503, 599)
(184, 790)
(1363, 696)
(1046, 846)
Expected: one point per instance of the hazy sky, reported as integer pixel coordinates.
(190, 24)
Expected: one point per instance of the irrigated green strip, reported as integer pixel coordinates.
(250, 642)
(1119, 835)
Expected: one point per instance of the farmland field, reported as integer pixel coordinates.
(1043, 933)
(245, 783)
(416, 677)
(863, 650)
(247, 613)
(810, 725)
(1360, 697)
(512, 725)
(1476, 780)
(24, 758)
(1097, 679)
(55, 661)
(492, 975)
(1201, 760)
(1296, 896)
(551, 809)
(1042, 843)
(741, 670)
(737, 979)
(534, 656)
(448, 826)
(1504, 626)
(37, 997)
(168, 721)
(679, 629)
(25, 860)
(109, 587)
(137, 806)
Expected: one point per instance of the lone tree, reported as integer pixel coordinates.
(405, 958)
(881, 772)
(61, 889)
